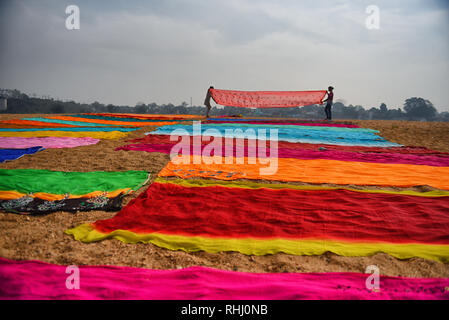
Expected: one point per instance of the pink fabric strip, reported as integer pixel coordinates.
(38, 280)
(429, 160)
(46, 142)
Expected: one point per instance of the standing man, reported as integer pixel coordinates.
(207, 101)
(329, 99)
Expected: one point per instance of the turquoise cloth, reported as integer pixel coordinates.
(290, 133)
(287, 126)
(75, 123)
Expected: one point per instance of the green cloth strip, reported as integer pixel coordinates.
(75, 183)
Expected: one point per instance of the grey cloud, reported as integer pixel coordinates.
(171, 50)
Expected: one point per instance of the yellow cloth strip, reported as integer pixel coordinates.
(10, 195)
(313, 171)
(252, 246)
(256, 185)
(75, 134)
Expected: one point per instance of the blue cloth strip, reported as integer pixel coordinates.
(287, 126)
(13, 154)
(75, 123)
(318, 135)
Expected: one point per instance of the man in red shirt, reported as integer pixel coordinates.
(329, 99)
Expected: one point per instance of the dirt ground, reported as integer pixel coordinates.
(42, 237)
(433, 135)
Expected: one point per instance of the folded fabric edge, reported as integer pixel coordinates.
(257, 185)
(251, 246)
(11, 195)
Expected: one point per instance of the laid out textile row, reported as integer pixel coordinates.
(264, 149)
(262, 220)
(45, 191)
(284, 132)
(27, 136)
(95, 120)
(38, 280)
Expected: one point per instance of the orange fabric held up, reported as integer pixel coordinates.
(267, 99)
(36, 123)
(314, 171)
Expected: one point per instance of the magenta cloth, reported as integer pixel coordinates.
(340, 125)
(165, 139)
(39, 280)
(46, 142)
(429, 160)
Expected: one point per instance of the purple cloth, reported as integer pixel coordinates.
(429, 160)
(46, 142)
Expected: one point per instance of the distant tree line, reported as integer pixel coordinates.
(415, 108)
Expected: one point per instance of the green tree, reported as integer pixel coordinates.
(110, 108)
(141, 108)
(57, 108)
(419, 108)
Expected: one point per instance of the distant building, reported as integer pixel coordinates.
(3, 103)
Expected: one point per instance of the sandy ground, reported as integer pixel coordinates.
(433, 135)
(42, 237)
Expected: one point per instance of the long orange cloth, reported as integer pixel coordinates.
(314, 171)
(36, 123)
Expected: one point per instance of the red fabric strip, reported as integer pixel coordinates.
(294, 214)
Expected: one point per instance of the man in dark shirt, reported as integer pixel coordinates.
(329, 99)
(207, 101)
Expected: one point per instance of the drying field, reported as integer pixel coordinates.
(42, 237)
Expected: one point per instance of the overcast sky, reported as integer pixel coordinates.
(167, 51)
